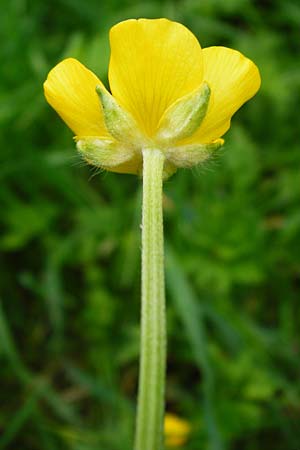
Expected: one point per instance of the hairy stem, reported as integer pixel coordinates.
(150, 414)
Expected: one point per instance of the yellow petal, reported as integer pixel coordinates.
(132, 167)
(233, 80)
(153, 63)
(70, 90)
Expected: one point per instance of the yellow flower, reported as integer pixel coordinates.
(158, 74)
(176, 431)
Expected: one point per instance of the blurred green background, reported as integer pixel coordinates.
(70, 245)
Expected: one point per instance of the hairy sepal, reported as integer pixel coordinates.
(120, 124)
(187, 156)
(103, 152)
(183, 117)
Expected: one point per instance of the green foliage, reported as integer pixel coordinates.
(70, 246)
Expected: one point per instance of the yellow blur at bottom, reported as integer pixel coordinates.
(176, 431)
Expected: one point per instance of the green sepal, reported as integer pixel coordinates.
(184, 117)
(120, 124)
(103, 152)
(192, 154)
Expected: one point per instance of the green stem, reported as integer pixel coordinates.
(150, 414)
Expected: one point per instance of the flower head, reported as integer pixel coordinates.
(166, 93)
(177, 430)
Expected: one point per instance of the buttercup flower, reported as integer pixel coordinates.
(167, 93)
(177, 430)
(170, 104)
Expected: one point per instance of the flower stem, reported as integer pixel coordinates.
(150, 414)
